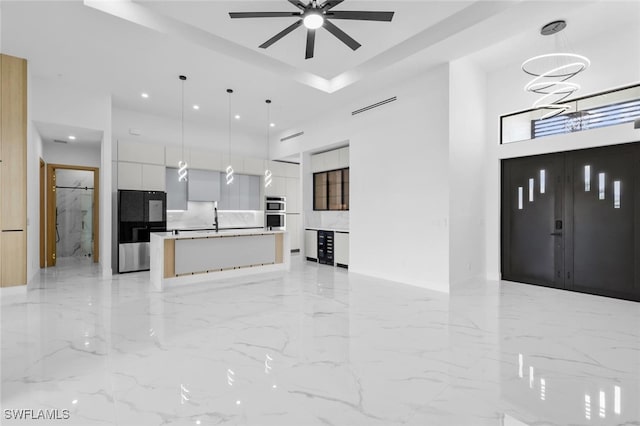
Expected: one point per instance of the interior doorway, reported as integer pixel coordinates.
(72, 213)
(571, 220)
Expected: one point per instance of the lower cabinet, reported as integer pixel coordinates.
(341, 249)
(293, 227)
(311, 244)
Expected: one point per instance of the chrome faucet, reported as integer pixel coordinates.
(215, 215)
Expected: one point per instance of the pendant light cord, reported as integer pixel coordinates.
(229, 124)
(268, 130)
(182, 121)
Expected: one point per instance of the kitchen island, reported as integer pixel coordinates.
(192, 257)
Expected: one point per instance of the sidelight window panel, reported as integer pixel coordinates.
(616, 194)
(601, 183)
(543, 180)
(520, 196)
(532, 185)
(587, 178)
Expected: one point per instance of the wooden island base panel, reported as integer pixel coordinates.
(207, 256)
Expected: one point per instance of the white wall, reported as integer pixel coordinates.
(34, 153)
(615, 63)
(71, 154)
(467, 123)
(399, 190)
(53, 102)
(166, 131)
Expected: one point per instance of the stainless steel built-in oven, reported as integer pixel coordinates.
(275, 221)
(275, 209)
(275, 204)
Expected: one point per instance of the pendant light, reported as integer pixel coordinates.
(268, 176)
(182, 164)
(551, 71)
(229, 167)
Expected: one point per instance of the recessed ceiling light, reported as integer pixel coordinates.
(196, 107)
(237, 117)
(272, 124)
(72, 138)
(145, 95)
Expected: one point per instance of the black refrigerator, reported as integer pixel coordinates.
(139, 214)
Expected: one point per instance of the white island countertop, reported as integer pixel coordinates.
(201, 256)
(213, 234)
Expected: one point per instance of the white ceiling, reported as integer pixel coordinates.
(52, 132)
(331, 57)
(128, 47)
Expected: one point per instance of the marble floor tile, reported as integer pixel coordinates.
(315, 346)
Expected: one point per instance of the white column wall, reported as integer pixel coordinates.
(467, 146)
(399, 188)
(34, 152)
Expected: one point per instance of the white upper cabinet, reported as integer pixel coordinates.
(153, 177)
(278, 187)
(141, 177)
(330, 160)
(141, 153)
(205, 160)
(173, 155)
(343, 158)
(235, 161)
(291, 170)
(129, 176)
(253, 166)
(292, 193)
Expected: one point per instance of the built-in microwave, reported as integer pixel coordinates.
(275, 221)
(275, 204)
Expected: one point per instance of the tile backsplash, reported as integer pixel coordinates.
(327, 219)
(200, 215)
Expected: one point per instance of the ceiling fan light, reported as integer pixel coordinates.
(313, 21)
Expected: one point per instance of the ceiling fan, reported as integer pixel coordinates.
(313, 16)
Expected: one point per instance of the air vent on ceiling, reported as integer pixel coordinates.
(59, 141)
(295, 135)
(376, 105)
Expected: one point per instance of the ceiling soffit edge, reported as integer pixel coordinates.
(471, 15)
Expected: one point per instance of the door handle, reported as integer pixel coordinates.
(556, 234)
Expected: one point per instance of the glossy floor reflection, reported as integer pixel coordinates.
(316, 346)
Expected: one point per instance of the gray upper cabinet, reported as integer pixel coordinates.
(208, 186)
(176, 191)
(242, 194)
(204, 185)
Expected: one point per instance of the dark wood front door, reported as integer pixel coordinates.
(572, 220)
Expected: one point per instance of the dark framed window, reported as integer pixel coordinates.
(331, 190)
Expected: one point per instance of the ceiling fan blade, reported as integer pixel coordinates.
(360, 15)
(311, 43)
(341, 35)
(330, 4)
(281, 34)
(298, 3)
(262, 14)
